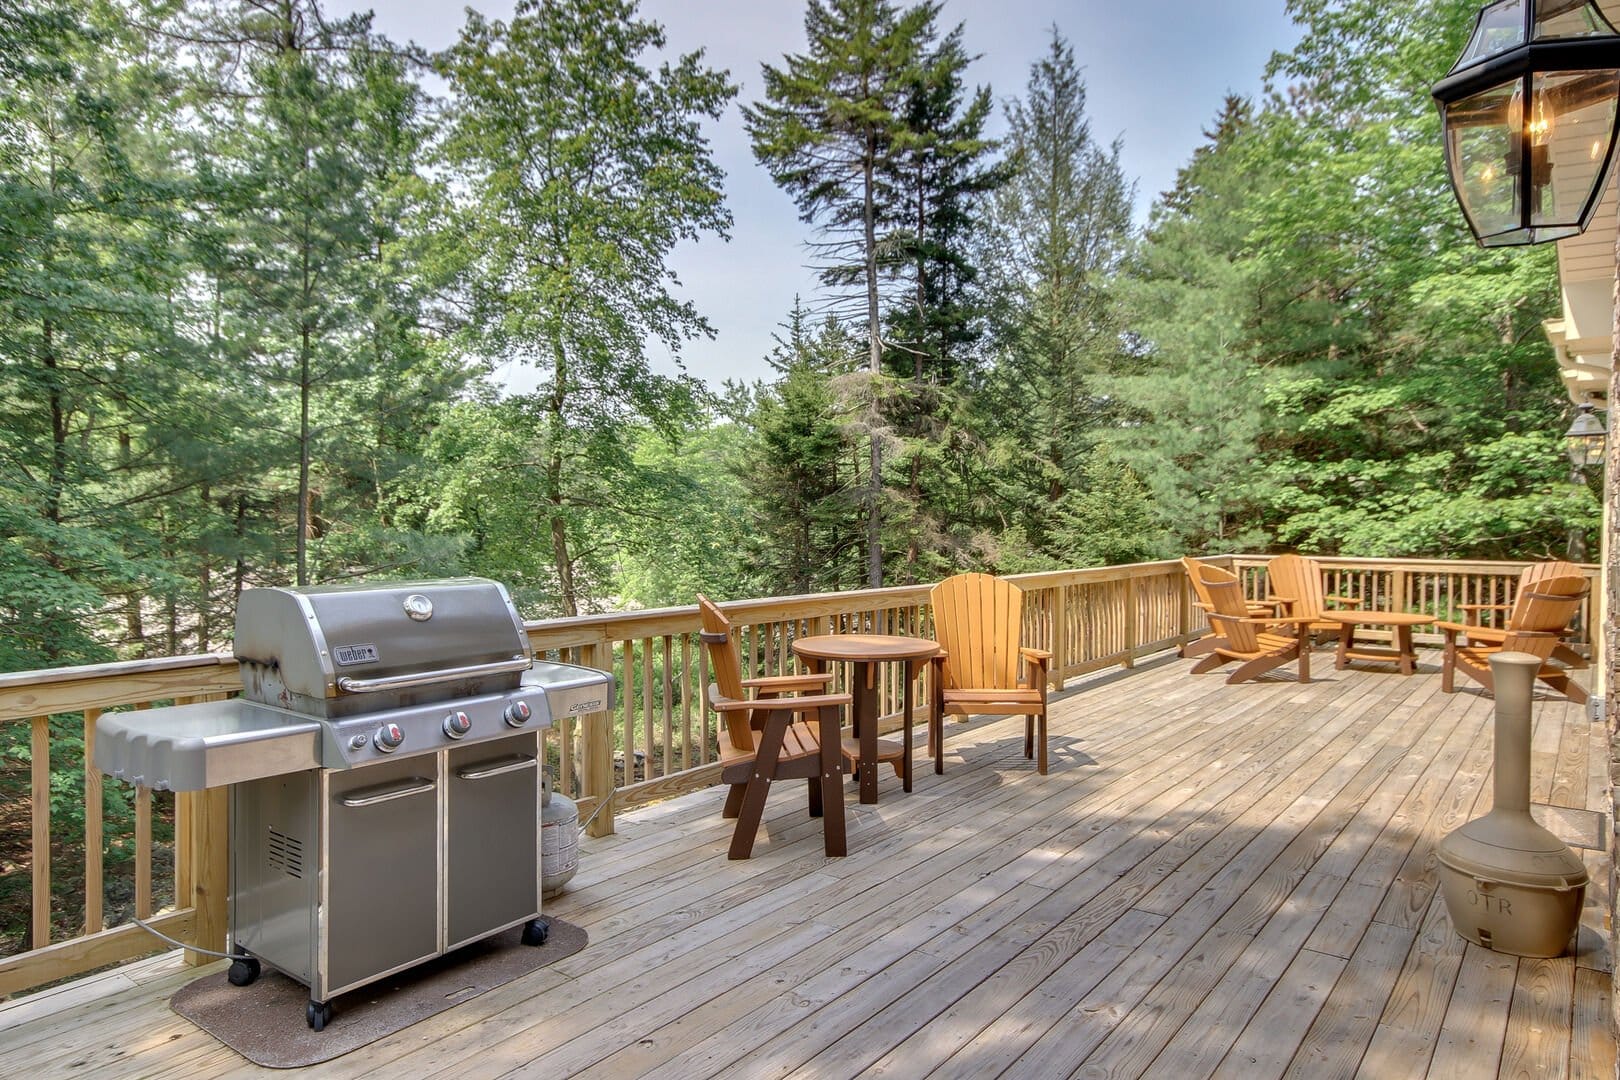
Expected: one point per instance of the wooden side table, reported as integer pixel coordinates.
(864, 652)
(1402, 623)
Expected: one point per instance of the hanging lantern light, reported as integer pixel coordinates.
(1530, 114)
(1585, 439)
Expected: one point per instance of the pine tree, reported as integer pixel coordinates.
(831, 132)
(1059, 232)
(1200, 395)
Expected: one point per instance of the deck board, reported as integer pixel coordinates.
(1212, 881)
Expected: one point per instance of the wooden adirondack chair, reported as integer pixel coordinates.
(977, 622)
(769, 737)
(1540, 615)
(1200, 573)
(1295, 582)
(1254, 640)
(1474, 614)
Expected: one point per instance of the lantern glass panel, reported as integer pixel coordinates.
(1482, 148)
(1570, 128)
(1500, 28)
(1567, 19)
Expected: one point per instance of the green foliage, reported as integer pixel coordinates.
(566, 248)
(1058, 233)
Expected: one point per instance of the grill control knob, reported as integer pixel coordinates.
(457, 724)
(388, 738)
(518, 713)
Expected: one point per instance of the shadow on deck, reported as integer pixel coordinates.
(1211, 881)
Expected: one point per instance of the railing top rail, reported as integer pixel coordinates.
(1455, 566)
(114, 670)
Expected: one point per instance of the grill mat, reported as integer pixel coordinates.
(264, 1022)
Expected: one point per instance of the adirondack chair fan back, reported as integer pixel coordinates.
(1297, 582)
(1541, 614)
(1261, 643)
(1200, 574)
(978, 621)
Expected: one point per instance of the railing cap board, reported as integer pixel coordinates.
(1453, 566)
(100, 686)
(117, 669)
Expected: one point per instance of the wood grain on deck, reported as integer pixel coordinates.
(1212, 881)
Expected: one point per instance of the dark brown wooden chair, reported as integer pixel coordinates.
(977, 622)
(768, 737)
(1261, 643)
(1541, 615)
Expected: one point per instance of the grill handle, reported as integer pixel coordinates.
(424, 678)
(415, 785)
(496, 768)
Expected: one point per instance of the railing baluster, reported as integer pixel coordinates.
(40, 807)
(629, 708)
(686, 703)
(647, 705)
(668, 705)
(93, 889)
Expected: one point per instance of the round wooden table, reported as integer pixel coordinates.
(1402, 623)
(864, 652)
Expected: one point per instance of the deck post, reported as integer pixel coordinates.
(596, 748)
(210, 870)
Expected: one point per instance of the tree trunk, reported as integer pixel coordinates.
(556, 431)
(239, 571)
(303, 459)
(874, 518)
(205, 585)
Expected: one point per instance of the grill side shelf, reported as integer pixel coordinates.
(209, 744)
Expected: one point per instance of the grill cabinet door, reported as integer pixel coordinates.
(382, 871)
(494, 836)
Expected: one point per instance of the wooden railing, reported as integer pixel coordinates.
(658, 740)
(1433, 586)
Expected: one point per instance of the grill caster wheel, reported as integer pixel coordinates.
(243, 971)
(535, 932)
(319, 1014)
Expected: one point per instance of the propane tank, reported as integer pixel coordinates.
(559, 839)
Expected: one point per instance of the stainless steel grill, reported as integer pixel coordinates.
(384, 763)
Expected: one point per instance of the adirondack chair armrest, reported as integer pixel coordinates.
(770, 685)
(1452, 629)
(1283, 600)
(1471, 612)
(1035, 656)
(1285, 620)
(809, 703)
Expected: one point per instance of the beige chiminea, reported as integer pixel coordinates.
(1509, 884)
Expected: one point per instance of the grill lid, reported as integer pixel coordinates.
(341, 650)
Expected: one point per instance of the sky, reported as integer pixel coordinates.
(1156, 72)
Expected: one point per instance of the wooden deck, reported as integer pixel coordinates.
(1213, 881)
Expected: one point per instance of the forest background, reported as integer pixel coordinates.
(255, 279)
